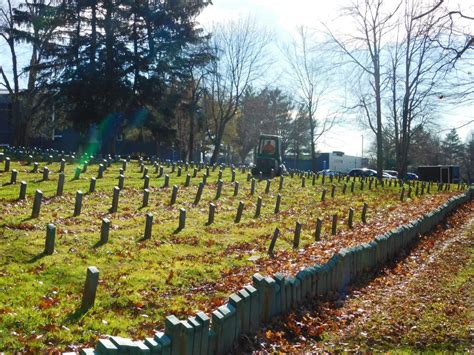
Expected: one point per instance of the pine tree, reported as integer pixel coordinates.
(452, 149)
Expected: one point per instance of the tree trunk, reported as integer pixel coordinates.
(217, 143)
(191, 137)
(313, 145)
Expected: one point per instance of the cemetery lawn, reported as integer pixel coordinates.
(173, 272)
(420, 303)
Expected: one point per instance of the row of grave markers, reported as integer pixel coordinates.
(268, 296)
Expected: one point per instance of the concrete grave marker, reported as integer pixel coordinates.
(364, 212)
(236, 188)
(104, 230)
(277, 204)
(50, 239)
(13, 176)
(115, 199)
(167, 181)
(121, 182)
(351, 217)
(212, 211)
(77, 173)
(199, 193)
(334, 224)
(259, 207)
(78, 203)
(146, 197)
(148, 225)
(92, 184)
(219, 189)
(296, 237)
(174, 194)
(90, 288)
(37, 204)
(22, 190)
(317, 234)
(240, 210)
(182, 219)
(45, 173)
(60, 187)
(276, 233)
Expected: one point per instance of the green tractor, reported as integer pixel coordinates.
(268, 159)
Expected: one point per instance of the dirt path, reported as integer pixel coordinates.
(422, 302)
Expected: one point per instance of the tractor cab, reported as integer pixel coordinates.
(267, 156)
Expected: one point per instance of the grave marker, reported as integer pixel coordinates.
(259, 207)
(333, 190)
(104, 230)
(7, 164)
(334, 224)
(296, 238)
(35, 167)
(174, 194)
(182, 219)
(212, 211)
(50, 238)
(199, 193)
(78, 203)
(60, 187)
(364, 212)
(13, 176)
(219, 189)
(146, 197)
(90, 288)
(77, 173)
(148, 225)
(277, 204)
(252, 186)
(37, 204)
(236, 188)
(115, 199)
(276, 233)
(187, 182)
(92, 185)
(146, 182)
(317, 234)
(267, 187)
(45, 173)
(167, 181)
(240, 210)
(22, 190)
(351, 217)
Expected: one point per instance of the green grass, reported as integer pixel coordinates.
(40, 295)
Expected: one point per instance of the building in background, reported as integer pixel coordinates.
(6, 128)
(340, 162)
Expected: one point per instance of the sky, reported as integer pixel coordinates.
(282, 17)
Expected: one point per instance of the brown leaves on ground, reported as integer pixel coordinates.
(420, 302)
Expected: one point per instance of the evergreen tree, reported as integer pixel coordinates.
(452, 149)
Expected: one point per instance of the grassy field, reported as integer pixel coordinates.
(142, 281)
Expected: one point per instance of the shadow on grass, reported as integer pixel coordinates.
(177, 230)
(99, 244)
(75, 316)
(37, 257)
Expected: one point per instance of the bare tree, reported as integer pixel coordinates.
(363, 49)
(33, 23)
(239, 48)
(310, 77)
(414, 74)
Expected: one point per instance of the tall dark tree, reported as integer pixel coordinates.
(124, 62)
(452, 149)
